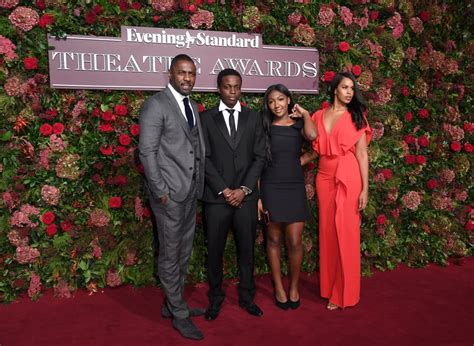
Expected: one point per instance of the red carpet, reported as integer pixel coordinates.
(429, 306)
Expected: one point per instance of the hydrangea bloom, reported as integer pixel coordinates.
(24, 18)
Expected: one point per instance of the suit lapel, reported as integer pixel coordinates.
(220, 123)
(179, 116)
(241, 126)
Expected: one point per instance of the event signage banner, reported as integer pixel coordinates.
(140, 60)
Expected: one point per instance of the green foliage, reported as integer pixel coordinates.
(418, 212)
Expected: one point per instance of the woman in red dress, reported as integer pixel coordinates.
(342, 189)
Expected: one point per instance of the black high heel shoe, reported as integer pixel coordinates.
(281, 305)
(293, 305)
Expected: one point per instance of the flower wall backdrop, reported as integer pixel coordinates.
(73, 213)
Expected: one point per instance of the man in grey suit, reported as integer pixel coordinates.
(172, 152)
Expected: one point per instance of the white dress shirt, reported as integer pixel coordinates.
(224, 109)
(179, 98)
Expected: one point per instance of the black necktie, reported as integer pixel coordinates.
(189, 113)
(231, 123)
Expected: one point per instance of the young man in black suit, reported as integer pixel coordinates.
(235, 156)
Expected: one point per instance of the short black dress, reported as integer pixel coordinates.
(282, 185)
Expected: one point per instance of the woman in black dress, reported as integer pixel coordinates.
(283, 195)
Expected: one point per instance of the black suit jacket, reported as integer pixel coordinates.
(232, 164)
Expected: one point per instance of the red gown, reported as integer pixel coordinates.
(338, 186)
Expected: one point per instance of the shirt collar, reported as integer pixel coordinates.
(236, 108)
(179, 97)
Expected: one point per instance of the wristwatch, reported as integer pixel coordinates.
(246, 190)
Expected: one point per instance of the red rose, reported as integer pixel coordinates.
(410, 159)
(344, 46)
(201, 108)
(389, 83)
(156, 18)
(30, 63)
(124, 139)
(58, 128)
(96, 112)
(387, 173)
(96, 178)
(328, 76)
(123, 6)
(120, 180)
(381, 219)
(356, 70)
(468, 127)
(423, 113)
(46, 130)
(374, 15)
(146, 212)
(432, 184)
(51, 113)
(105, 128)
(424, 16)
(455, 146)
(395, 213)
(136, 6)
(408, 116)
(469, 225)
(66, 225)
(420, 159)
(140, 168)
(192, 8)
(120, 150)
(468, 147)
(107, 116)
(51, 230)
(107, 151)
(47, 218)
(135, 130)
(405, 91)
(423, 141)
(45, 20)
(41, 4)
(115, 202)
(409, 139)
(90, 17)
(98, 9)
(120, 110)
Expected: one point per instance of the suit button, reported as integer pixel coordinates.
(235, 155)
(191, 152)
(190, 168)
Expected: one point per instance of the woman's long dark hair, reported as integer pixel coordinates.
(267, 115)
(357, 106)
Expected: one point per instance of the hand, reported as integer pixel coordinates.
(235, 198)
(298, 112)
(164, 199)
(363, 198)
(260, 209)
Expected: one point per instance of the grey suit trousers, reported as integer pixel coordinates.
(176, 225)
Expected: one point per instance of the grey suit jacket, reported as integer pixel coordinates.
(166, 150)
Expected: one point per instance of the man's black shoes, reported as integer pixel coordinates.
(252, 309)
(187, 328)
